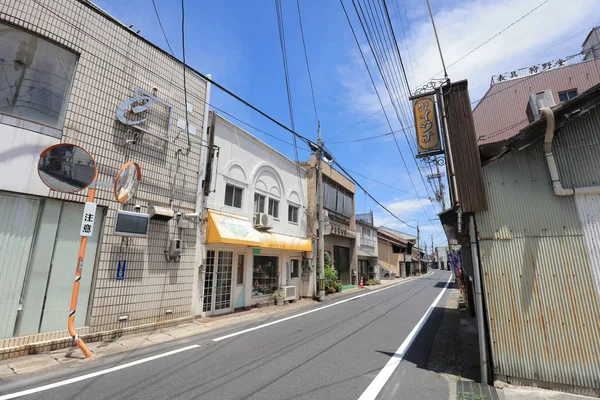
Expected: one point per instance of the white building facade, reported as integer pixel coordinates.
(367, 248)
(255, 242)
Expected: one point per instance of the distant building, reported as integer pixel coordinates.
(394, 254)
(367, 244)
(340, 226)
(501, 112)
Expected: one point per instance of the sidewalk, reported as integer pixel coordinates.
(72, 356)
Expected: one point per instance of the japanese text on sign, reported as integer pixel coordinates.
(428, 135)
(88, 219)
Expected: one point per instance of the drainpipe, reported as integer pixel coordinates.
(478, 302)
(559, 190)
(205, 152)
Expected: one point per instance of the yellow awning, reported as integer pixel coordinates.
(232, 229)
(276, 241)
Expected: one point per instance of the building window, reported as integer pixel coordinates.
(295, 265)
(240, 269)
(293, 214)
(274, 208)
(259, 203)
(366, 232)
(233, 196)
(337, 199)
(567, 95)
(36, 77)
(264, 275)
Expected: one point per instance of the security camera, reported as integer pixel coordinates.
(137, 208)
(131, 141)
(178, 215)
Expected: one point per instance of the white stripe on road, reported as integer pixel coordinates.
(94, 374)
(384, 375)
(313, 310)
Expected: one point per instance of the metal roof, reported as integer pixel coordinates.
(501, 112)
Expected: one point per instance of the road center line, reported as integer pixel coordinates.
(384, 375)
(313, 310)
(94, 374)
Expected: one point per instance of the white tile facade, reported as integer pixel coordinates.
(113, 62)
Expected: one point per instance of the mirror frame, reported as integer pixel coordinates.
(123, 167)
(47, 149)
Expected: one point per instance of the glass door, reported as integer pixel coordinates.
(223, 282)
(217, 282)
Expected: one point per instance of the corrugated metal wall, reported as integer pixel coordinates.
(543, 307)
(578, 157)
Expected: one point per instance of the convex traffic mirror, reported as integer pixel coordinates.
(66, 168)
(127, 181)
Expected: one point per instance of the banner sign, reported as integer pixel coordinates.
(426, 126)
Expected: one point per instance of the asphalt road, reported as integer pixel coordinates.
(333, 353)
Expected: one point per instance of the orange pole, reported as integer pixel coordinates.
(75, 295)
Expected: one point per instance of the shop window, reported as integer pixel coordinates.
(240, 269)
(265, 275)
(295, 265)
(259, 203)
(274, 208)
(337, 199)
(567, 95)
(36, 78)
(233, 196)
(293, 214)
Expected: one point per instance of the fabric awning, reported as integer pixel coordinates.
(232, 229)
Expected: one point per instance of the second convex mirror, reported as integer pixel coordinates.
(127, 181)
(66, 168)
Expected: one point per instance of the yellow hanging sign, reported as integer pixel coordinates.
(428, 134)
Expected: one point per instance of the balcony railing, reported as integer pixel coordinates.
(367, 242)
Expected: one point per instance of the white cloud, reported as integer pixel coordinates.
(469, 24)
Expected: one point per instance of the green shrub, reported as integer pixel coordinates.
(371, 282)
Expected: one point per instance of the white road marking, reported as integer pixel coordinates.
(313, 310)
(384, 375)
(94, 374)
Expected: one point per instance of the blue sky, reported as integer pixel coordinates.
(238, 43)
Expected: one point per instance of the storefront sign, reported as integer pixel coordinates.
(87, 220)
(121, 269)
(146, 113)
(426, 126)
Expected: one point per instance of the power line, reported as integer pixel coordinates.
(370, 39)
(281, 28)
(372, 198)
(488, 40)
(161, 27)
(384, 184)
(378, 97)
(370, 137)
(312, 91)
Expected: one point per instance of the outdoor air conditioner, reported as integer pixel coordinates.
(262, 221)
(290, 292)
(537, 101)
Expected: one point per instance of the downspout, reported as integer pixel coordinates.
(550, 126)
(205, 152)
(559, 190)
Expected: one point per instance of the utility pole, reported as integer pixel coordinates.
(432, 248)
(321, 243)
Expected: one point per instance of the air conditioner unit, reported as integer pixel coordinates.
(262, 221)
(537, 101)
(290, 292)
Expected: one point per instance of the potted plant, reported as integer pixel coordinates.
(278, 296)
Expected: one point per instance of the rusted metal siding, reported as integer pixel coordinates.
(577, 152)
(465, 154)
(588, 209)
(541, 297)
(501, 112)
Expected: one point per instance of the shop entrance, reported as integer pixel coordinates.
(341, 257)
(217, 282)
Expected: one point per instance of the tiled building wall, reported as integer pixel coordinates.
(113, 62)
